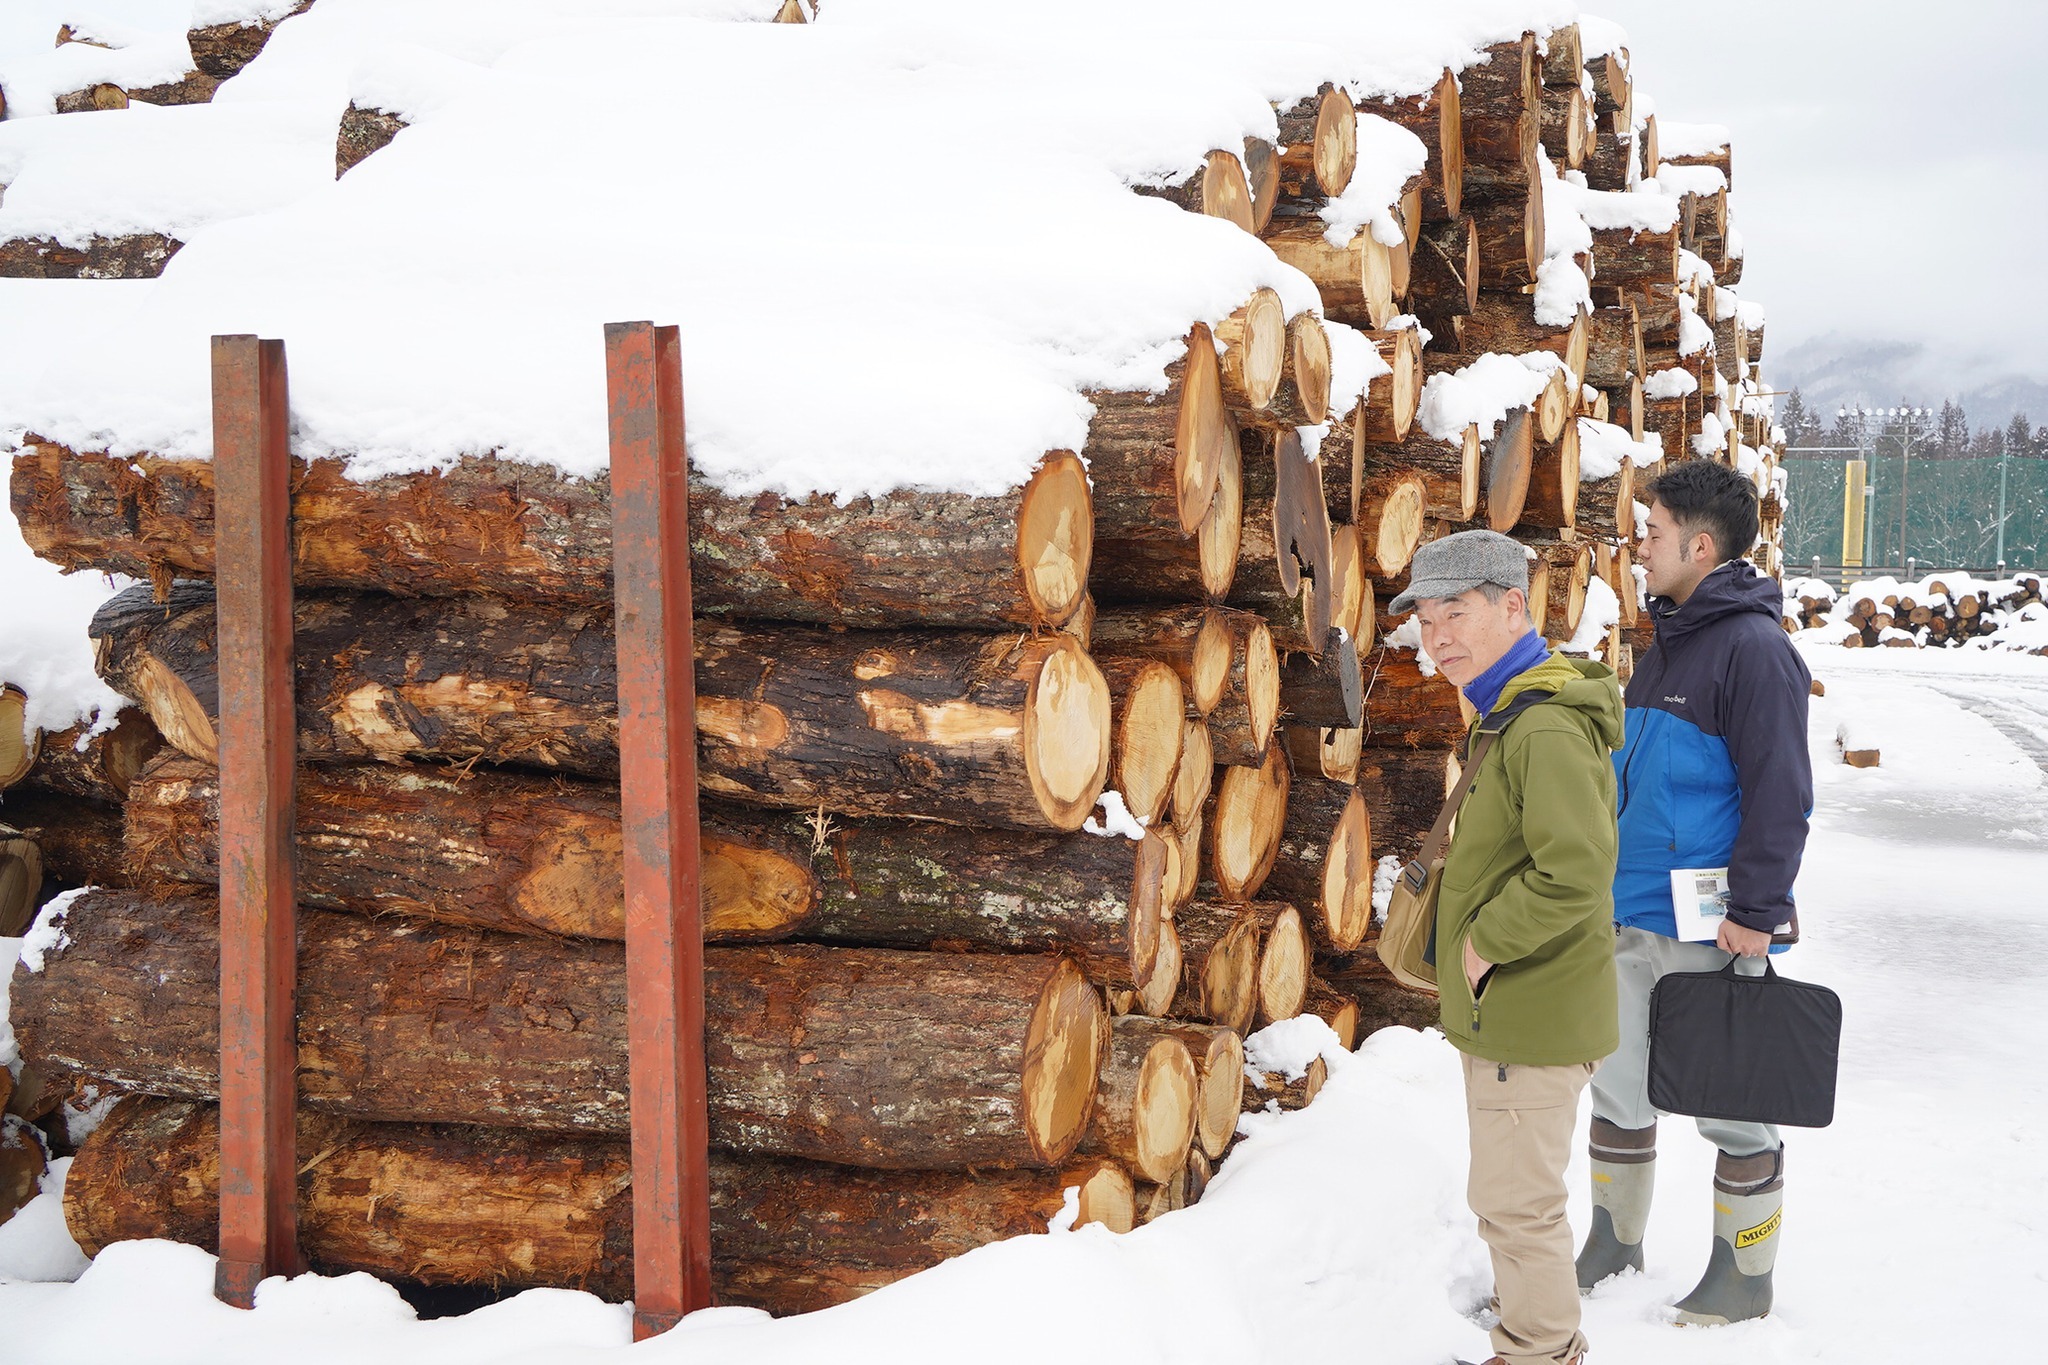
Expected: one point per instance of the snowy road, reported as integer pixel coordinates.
(1916, 1227)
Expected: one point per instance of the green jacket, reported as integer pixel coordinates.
(1529, 878)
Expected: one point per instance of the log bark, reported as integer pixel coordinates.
(1507, 324)
(1011, 731)
(1147, 446)
(1219, 964)
(1614, 350)
(1607, 506)
(222, 50)
(1356, 280)
(1142, 555)
(463, 1206)
(363, 133)
(1435, 117)
(1405, 709)
(1241, 725)
(1324, 862)
(1404, 792)
(1247, 813)
(1145, 1104)
(77, 841)
(1196, 642)
(1321, 751)
(1553, 494)
(131, 256)
(1608, 160)
(1625, 258)
(1503, 156)
(494, 526)
(97, 766)
(1567, 126)
(1272, 1092)
(1324, 688)
(1443, 281)
(862, 1056)
(1451, 469)
(1511, 238)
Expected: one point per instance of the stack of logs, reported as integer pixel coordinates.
(1935, 612)
(936, 1005)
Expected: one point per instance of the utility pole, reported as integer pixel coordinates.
(2004, 455)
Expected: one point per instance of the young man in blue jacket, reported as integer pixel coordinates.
(1714, 773)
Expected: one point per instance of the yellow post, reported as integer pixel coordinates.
(1852, 516)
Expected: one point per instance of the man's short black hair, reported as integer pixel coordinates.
(1704, 495)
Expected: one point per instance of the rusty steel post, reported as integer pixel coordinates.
(658, 812)
(258, 747)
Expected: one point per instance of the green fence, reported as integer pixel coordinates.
(1951, 510)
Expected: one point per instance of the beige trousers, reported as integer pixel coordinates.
(1521, 1120)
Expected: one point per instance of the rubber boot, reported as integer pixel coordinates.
(1624, 1173)
(1749, 1201)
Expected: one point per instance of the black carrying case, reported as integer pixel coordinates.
(1754, 1049)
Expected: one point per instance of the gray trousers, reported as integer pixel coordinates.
(1621, 1087)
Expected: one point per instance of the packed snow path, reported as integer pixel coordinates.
(1916, 1229)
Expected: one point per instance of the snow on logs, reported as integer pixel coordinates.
(863, 1056)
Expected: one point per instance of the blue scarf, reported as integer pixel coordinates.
(1524, 654)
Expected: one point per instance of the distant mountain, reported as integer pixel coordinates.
(1834, 371)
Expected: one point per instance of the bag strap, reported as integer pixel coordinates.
(1490, 728)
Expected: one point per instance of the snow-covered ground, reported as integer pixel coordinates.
(1917, 1227)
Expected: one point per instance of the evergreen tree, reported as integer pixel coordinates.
(2019, 436)
(1951, 432)
(1796, 420)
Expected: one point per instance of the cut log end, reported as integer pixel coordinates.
(1106, 1196)
(1062, 1060)
(1055, 535)
(1249, 810)
(1284, 960)
(1254, 351)
(1222, 1068)
(1150, 718)
(1163, 1112)
(21, 881)
(1347, 875)
(1203, 430)
(18, 745)
(1309, 366)
(1336, 142)
(1067, 735)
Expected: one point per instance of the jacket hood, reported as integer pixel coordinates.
(1733, 588)
(1587, 687)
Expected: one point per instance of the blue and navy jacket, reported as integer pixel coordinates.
(1714, 770)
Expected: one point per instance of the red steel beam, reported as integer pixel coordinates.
(658, 811)
(258, 747)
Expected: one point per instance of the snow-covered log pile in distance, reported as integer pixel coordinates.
(1077, 510)
(1951, 610)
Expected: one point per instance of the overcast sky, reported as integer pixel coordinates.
(1891, 164)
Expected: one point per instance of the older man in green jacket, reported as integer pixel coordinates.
(1524, 928)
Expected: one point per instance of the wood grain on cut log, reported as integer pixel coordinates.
(100, 765)
(1218, 1055)
(1219, 188)
(1350, 585)
(1285, 957)
(1156, 1201)
(1318, 145)
(1388, 412)
(1242, 722)
(1553, 495)
(1011, 731)
(1219, 964)
(1607, 506)
(1247, 812)
(1147, 446)
(1450, 468)
(1196, 774)
(1391, 507)
(1285, 556)
(911, 884)
(1157, 996)
(1324, 863)
(1262, 176)
(19, 746)
(1324, 688)
(1405, 709)
(486, 525)
(1254, 341)
(1142, 555)
(77, 839)
(1567, 126)
(1148, 705)
(1334, 1008)
(1145, 1103)
(1303, 399)
(363, 132)
(1196, 642)
(1539, 596)
(131, 256)
(479, 1206)
(1322, 751)
(1356, 280)
(858, 1055)
(1404, 792)
(1614, 564)
(1504, 483)
(1570, 565)
(21, 880)
(1435, 117)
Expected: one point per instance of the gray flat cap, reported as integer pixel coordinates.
(1457, 564)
